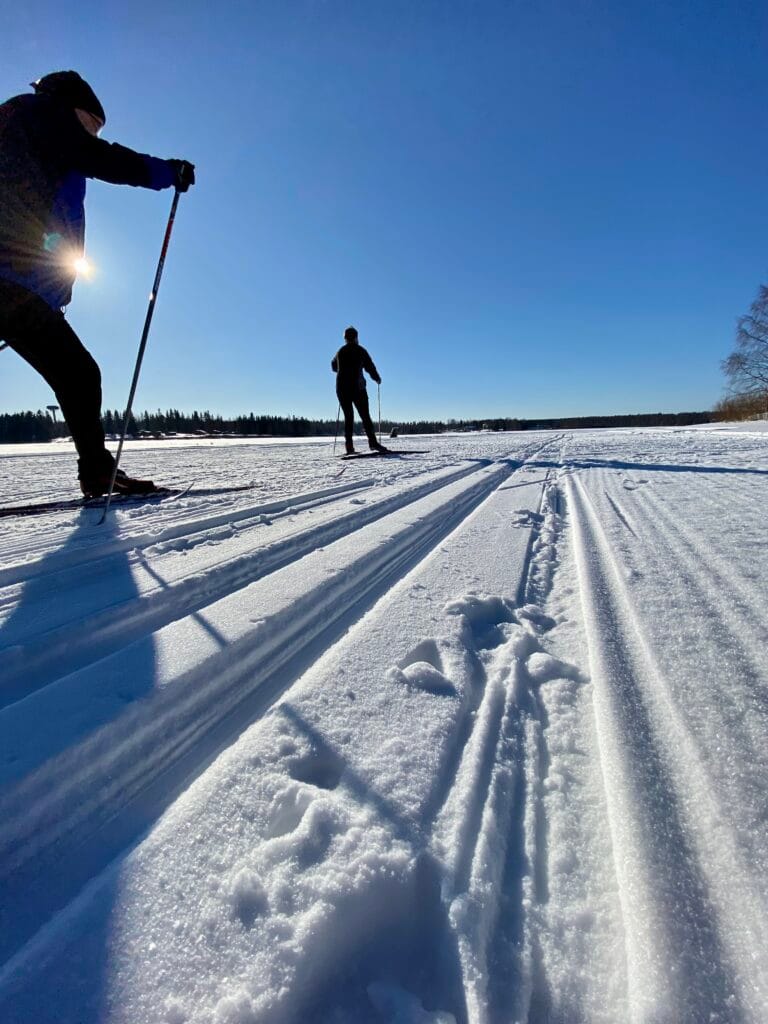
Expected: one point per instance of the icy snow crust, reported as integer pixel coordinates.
(476, 735)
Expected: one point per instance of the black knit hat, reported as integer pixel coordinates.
(71, 89)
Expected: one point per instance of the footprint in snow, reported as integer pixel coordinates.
(287, 810)
(543, 667)
(427, 651)
(482, 611)
(319, 766)
(300, 825)
(420, 675)
(485, 617)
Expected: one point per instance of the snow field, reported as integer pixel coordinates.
(468, 738)
(204, 665)
(405, 772)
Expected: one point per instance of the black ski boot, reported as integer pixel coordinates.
(96, 486)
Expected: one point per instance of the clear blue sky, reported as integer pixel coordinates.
(526, 208)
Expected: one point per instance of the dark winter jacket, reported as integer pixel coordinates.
(348, 365)
(45, 157)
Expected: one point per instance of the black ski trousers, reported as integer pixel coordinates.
(42, 337)
(349, 401)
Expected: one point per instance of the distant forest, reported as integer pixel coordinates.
(24, 427)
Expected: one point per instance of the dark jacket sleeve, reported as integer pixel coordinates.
(109, 161)
(369, 367)
(335, 364)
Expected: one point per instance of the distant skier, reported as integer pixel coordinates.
(348, 365)
(49, 145)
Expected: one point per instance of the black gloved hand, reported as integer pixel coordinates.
(184, 173)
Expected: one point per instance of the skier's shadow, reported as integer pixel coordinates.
(58, 630)
(54, 700)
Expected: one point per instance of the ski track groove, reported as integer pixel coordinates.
(715, 568)
(707, 582)
(47, 841)
(23, 572)
(667, 888)
(71, 647)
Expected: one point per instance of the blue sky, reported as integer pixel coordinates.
(527, 209)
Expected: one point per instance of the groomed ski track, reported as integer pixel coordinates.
(444, 742)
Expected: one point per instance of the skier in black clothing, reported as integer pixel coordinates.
(49, 145)
(348, 365)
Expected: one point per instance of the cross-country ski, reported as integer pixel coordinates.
(384, 451)
(151, 497)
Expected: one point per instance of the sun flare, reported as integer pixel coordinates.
(82, 267)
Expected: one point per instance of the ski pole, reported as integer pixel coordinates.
(142, 346)
(379, 390)
(335, 436)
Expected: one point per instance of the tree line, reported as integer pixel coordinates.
(27, 427)
(746, 368)
(746, 371)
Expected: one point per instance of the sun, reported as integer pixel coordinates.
(82, 267)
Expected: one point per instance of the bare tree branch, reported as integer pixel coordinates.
(746, 368)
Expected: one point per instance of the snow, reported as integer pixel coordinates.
(467, 736)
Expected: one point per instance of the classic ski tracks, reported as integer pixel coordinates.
(714, 576)
(682, 882)
(137, 763)
(27, 667)
(136, 540)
